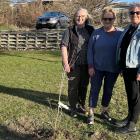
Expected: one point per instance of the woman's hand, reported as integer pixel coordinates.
(138, 77)
(91, 71)
(121, 73)
(67, 68)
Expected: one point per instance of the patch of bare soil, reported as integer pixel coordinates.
(26, 128)
(99, 136)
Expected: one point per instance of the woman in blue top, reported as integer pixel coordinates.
(102, 63)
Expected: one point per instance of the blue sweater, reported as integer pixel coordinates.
(102, 49)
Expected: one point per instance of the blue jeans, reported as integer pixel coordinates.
(109, 79)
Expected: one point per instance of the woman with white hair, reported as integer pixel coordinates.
(74, 57)
(129, 61)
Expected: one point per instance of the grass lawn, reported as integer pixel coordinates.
(29, 90)
(5, 27)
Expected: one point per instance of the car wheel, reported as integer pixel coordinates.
(38, 26)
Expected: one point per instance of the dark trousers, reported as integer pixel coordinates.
(109, 79)
(132, 87)
(78, 80)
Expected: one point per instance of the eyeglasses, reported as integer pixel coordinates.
(82, 16)
(109, 19)
(132, 12)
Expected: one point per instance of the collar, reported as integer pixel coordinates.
(130, 25)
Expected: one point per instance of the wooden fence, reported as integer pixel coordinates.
(23, 40)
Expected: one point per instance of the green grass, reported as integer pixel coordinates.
(11, 27)
(5, 27)
(29, 90)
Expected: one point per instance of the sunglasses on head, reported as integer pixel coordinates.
(107, 19)
(132, 12)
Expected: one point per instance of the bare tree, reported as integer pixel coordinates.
(4, 10)
(93, 6)
(26, 15)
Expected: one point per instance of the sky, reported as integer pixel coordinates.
(130, 0)
(114, 0)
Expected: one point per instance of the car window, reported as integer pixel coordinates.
(51, 14)
(62, 15)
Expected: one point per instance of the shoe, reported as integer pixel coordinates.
(105, 116)
(81, 109)
(90, 119)
(122, 123)
(73, 113)
(128, 129)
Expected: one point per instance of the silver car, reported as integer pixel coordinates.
(52, 19)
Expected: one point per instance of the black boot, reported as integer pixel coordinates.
(122, 123)
(128, 129)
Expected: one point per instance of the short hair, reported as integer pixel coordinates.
(108, 10)
(134, 5)
(86, 12)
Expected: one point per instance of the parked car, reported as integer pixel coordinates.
(52, 19)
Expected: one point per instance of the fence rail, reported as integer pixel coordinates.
(45, 39)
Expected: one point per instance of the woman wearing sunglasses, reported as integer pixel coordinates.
(102, 63)
(129, 60)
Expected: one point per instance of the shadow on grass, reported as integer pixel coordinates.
(49, 99)
(7, 134)
(111, 126)
(97, 119)
(55, 54)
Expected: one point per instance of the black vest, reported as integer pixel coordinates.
(73, 43)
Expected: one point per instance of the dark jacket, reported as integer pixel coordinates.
(73, 49)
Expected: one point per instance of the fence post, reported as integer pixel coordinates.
(26, 44)
(8, 40)
(46, 42)
(17, 35)
(0, 39)
(58, 38)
